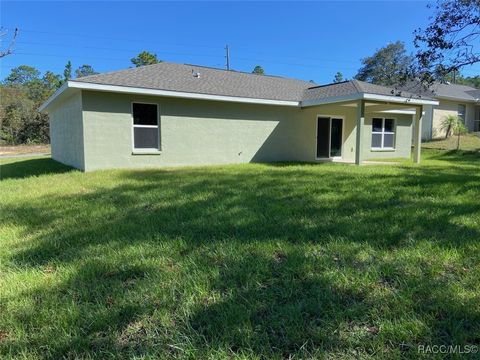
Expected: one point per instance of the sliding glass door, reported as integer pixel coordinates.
(329, 137)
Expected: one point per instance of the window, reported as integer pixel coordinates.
(145, 127)
(476, 125)
(461, 112)
(383, 133)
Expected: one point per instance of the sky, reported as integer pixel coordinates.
(303, 40)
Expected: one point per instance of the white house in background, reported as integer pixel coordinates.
(175, 114)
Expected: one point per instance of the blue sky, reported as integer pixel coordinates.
(310, 41)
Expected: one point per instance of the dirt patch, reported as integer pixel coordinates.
(3, 335)
(24, 149)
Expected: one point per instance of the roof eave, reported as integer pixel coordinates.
(71, 84)
(367, 96)
(454, 98)
(55, 95)
(399, 99)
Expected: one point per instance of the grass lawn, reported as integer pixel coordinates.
(468, 142)
(327, 261)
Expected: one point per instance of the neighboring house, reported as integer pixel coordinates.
(458, 100)
(171, 114)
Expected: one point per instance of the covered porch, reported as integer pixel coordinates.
(360, 126)
(388, 129)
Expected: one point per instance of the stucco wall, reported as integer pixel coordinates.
(448, 107)
(192, 132)
(427, 122)
(403, 137)
(403, 134)
(308, 117)
(66, 131)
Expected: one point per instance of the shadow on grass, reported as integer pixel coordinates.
(31, 167)
(458, 156)
(262, 261)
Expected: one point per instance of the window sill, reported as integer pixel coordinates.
(146, 152)
(382, 150)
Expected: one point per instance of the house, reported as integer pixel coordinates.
(171, 114)
(453, 99)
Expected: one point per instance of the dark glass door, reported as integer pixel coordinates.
(336, 138)
(323, 137)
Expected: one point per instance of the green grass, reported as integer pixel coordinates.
(468, 142)
(327, 261)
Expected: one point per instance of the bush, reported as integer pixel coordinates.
(20, 121)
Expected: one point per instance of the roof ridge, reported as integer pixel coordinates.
(329, 84)
(241, 72)
(459, 85)
(356, 84)
(195, 65)
(112, 72)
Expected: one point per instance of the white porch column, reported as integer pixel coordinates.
(417, 137)
(360, 126)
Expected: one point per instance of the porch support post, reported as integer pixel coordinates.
(417, 137)
(360, 126)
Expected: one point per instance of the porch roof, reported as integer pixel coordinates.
(357, 90)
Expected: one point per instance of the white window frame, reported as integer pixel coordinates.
(383, 133)
(146, 150)
(464, 113)
(476, 118)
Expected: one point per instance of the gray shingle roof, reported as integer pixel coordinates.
(212, 81)
(180, 77)
(354, 87)
(446, 90)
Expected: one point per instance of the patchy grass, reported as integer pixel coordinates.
(246, 261)
(24, 149)
(468, 142)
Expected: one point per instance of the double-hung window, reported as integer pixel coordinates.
(383, 133)
(146, 133)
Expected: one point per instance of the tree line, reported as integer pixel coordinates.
(390, 66)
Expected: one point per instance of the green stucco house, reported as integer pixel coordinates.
(171, 114)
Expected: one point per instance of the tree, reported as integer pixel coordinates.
(453, 124)
(9, 48)
(22, 75)
(338, 77)
(145, 58)
(456, 77)
(473, 81)
(258, 70)
(51, 81)
(14, 110)
(387, 66)
(39, 90)
(460, 129)
(22, 91)
(448, 124)
(85, 70)
(449, 42)
(67, 73)
(20, 122)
